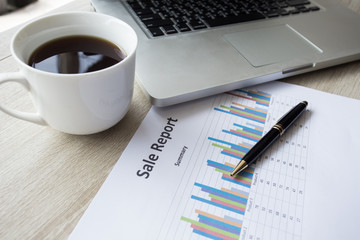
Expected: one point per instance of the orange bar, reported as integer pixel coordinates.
(235, 193)
(244, 134)
(218, 218)
(255, 109)
(243, 145)
(234, 153)
(230, 165)
(261, 94)
(233, 166)
(219, 235)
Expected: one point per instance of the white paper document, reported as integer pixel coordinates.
(173, 179)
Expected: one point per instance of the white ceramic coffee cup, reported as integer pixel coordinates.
(82, 103)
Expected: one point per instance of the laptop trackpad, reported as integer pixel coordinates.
(275, 44)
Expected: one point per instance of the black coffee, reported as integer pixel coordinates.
(76, 54)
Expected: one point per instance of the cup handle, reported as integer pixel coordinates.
(19, 78)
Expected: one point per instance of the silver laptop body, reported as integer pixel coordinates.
(181, 67)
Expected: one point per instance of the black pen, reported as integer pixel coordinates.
(277, 130)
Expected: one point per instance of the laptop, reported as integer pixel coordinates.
(191, 49)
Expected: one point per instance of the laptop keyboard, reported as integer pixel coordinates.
(168, 17)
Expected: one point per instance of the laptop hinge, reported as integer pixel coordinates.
(298, 68)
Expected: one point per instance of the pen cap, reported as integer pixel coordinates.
(292, 115)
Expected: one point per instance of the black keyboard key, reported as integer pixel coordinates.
(272, 14)
(179, 20)
(155, 32)
(284, 13)
(149, 17)
(169, 29)
(183, 27)
(304, 10)
(234, 19)
(295, 11)
(141, 12)
(134, 5)
(298, 2)
(314, 8)
(283, 4)
(158, 23)
(196, 24)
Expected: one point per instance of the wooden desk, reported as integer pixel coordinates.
(48, 179)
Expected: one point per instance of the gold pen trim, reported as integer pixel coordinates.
(280, 128)
(241, 166)
(304, 102)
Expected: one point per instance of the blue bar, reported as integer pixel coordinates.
(231, 155)
(233, 146)
(219, 166)
(221, 193)
(219, 225)
(240, 148)
(265, 93)
(254, 125)
(254, 94)
(234, 198)
(236, 182)
(233, 219)
(216, 204)
(255, 120)
(260, 114)
(247, 111)
(228, 169)
(221, 141)
(239, 135)
(221, 110)
(247, 129)
(206, 235)
(260, 108)
(245, 174)
(240, 191)
(209, 223)
(262, 104)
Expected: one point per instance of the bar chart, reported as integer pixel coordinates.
(248, 113)
(226, 207)
(215, 227)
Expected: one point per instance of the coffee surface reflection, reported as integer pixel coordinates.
(76, 54)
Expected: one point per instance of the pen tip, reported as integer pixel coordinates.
(241, 166)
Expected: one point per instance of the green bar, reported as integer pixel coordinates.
(237, 176)
(251, 134)
(227, 148)
(222, 171)
(227, 200)
(260, 99)
(239, 111)
(214, 229)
